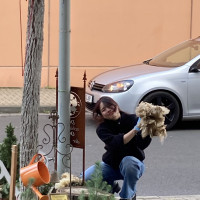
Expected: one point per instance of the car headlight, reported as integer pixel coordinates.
(120, 86)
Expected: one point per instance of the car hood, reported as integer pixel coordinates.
(127, 73)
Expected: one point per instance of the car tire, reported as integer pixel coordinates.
(166, 99)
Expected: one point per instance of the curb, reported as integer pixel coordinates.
(14, 109)
(178, 197)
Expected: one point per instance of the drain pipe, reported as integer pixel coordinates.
(191, 18)
(64, 83)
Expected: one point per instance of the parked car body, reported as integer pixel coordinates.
(170, 79)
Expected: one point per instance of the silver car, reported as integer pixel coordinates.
(171, 79)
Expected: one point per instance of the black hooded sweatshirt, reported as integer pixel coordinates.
(111, 133)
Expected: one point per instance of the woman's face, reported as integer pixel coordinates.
(109, 112)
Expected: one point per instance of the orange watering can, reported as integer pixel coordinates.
(37, 171)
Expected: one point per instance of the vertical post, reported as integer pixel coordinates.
(13, 172)
(49, 41)
(84, 80)
(191, 17)
(56, 124)
(56, 89)
(64, 80)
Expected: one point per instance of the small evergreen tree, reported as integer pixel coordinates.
(5, 157)
(6, 146)
(97, 188)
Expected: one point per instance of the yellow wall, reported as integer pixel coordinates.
(104, 34)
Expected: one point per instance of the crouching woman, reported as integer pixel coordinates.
(123, 159)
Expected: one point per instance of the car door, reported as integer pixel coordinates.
(194, 89)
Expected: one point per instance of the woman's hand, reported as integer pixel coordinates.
(136, 126)
(128, 136)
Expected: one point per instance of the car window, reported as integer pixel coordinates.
(195, 67)
(178, 55)
(197, 64)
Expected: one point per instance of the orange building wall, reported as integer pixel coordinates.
(104, 34)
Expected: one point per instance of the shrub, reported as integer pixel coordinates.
(5, 157)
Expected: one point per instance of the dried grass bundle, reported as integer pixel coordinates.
(152, 120)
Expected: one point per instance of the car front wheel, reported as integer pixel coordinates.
(166, 99)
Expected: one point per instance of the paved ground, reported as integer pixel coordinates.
(10, 102)
(190, 197)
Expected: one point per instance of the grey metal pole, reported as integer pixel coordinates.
(64, 82)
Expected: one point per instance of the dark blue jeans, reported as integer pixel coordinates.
(130, 170)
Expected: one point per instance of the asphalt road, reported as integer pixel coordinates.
(172, 168)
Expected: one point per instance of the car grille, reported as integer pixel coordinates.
(90, 106)
(95, 86)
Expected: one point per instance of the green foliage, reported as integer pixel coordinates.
(28, 194)
(5, 189)
(44, 189)
(5, 157)
(5, 147)
(97, 188)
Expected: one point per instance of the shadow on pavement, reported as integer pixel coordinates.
(188, 125)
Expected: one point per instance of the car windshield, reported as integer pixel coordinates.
(178, 55)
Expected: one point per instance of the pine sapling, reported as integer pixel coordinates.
(97, 188)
